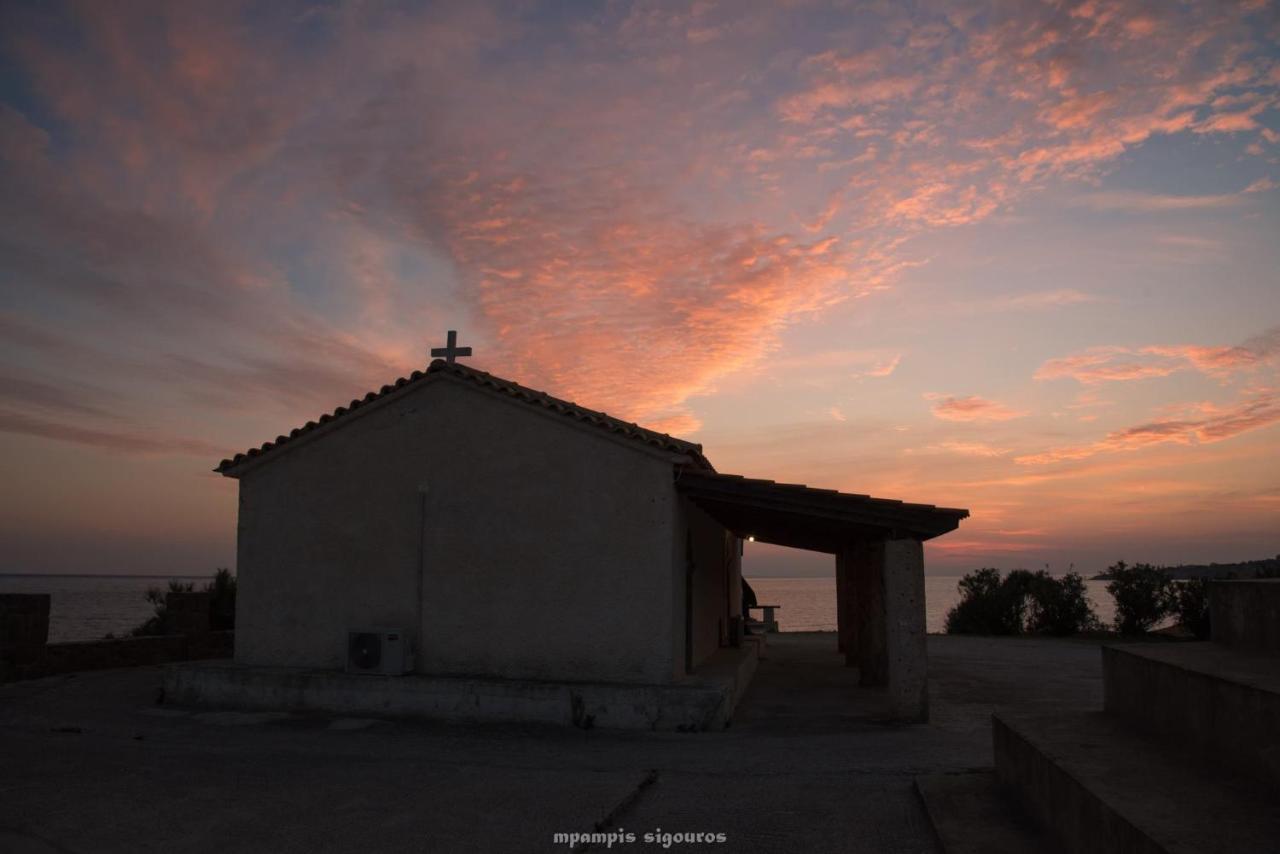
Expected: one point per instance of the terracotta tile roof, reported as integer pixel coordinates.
(792, 514)
(803, 489)
(495, 384)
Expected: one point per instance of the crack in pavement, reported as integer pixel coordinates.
(602, 826)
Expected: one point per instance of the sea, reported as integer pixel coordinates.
(809, 604)
(88, 607)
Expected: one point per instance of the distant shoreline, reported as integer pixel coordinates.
(1264, 568)
(91, 575)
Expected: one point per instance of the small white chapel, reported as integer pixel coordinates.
(515, 552)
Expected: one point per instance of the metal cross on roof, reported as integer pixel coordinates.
(451, 351)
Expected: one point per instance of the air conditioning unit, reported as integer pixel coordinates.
(385, 652)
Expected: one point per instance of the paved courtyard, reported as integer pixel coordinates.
(94, 763)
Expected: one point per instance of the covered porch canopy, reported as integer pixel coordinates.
(880, 607)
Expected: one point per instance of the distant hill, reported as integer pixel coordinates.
(1266, 568)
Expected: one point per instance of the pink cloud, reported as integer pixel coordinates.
(963, 449)
(1220, 423)
(117, 440)
(972, 409)
(1114, 364)
(616, 257)
(625, 237)
(1034, 301)
(842, 363)
(1106, 364)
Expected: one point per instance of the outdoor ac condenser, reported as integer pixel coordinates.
(385, 652)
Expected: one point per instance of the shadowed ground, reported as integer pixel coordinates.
(92, 763)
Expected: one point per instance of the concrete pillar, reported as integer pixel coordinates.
(866, 565)
(846, 618)
(842, 593)
(886, 638)
(905, 636)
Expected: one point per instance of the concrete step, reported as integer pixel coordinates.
(1100, 788)
(1219, 700)
(971, 813)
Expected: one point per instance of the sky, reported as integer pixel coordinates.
(1017, 257)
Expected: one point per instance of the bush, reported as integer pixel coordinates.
(987, 606)
(1021, 602)
(1189, 600)
(158, 623)
(1143, 595)
(222, 604)
(1060, 606)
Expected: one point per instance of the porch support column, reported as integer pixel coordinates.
(865, 559)
(888, 609)
(846, 621)
(905, 640)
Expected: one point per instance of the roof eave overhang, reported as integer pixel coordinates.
(803, 517)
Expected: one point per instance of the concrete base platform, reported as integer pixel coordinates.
(1098, 788)
(705, 701)
(1202, 694)
(971, 813)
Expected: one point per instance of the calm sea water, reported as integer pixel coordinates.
(87, 607)
(809, 604)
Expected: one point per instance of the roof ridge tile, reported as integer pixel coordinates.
(628, 429)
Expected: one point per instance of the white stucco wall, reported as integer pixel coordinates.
(716, 594)
(546, 550)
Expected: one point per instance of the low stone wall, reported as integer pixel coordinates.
(24, 625)
(187, 612)
(1216, 699)
(124, 652)
(1246, 614)
(25, 652)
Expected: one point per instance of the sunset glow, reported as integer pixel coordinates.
(1017, 257)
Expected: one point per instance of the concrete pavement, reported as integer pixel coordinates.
(93, 762)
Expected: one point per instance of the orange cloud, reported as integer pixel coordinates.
(1221, 424)
(1114, 364)
(1106, 364)
(964, 449)
(972, 449)
(844, 364)
(972, 409)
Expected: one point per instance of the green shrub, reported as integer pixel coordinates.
(1189, 601)
(1143, 596)
(987, 606)
(1060, 606)
(1021, 602)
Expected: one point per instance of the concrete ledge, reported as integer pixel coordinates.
(701, 703)
(971, 813)
(1246, 614)
(1204, 695)
(105, 654)
(1099, 789)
